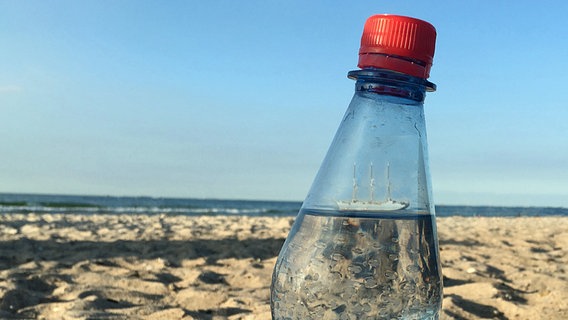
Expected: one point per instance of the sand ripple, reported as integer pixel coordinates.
(174, 267)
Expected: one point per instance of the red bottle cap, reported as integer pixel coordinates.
(398, 43)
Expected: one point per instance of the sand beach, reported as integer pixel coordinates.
(55, 266)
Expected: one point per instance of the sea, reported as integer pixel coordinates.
(80, 204)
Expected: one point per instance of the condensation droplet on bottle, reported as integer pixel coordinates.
(341, 239)
(371, 283)
(390, 248)
(358, 308)
(357, 250)
(408, 288)
(320, 244)
(374, 263)
(413, 268)
(391, 275)
(334, 276)
(354, 269)
(337, 256)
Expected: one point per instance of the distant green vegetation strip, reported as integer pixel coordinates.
(14, 204)
(68, 205)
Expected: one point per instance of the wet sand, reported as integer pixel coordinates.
(175, 267)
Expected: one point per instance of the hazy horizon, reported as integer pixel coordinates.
(512, 198)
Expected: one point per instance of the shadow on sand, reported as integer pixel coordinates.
(32, 288)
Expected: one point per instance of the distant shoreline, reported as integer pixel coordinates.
(43, 203)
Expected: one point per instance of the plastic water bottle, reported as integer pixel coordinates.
(364, 244)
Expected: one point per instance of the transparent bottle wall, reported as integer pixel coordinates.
(364, 245)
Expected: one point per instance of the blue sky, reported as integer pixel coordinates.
(240, 99)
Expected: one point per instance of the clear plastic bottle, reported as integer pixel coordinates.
(364, 244)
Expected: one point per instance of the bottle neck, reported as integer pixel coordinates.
(390, 83)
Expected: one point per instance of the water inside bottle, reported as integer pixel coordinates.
(359, 265)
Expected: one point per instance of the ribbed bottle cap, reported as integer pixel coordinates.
(398, 43)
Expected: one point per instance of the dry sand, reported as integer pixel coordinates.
(175, 267)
